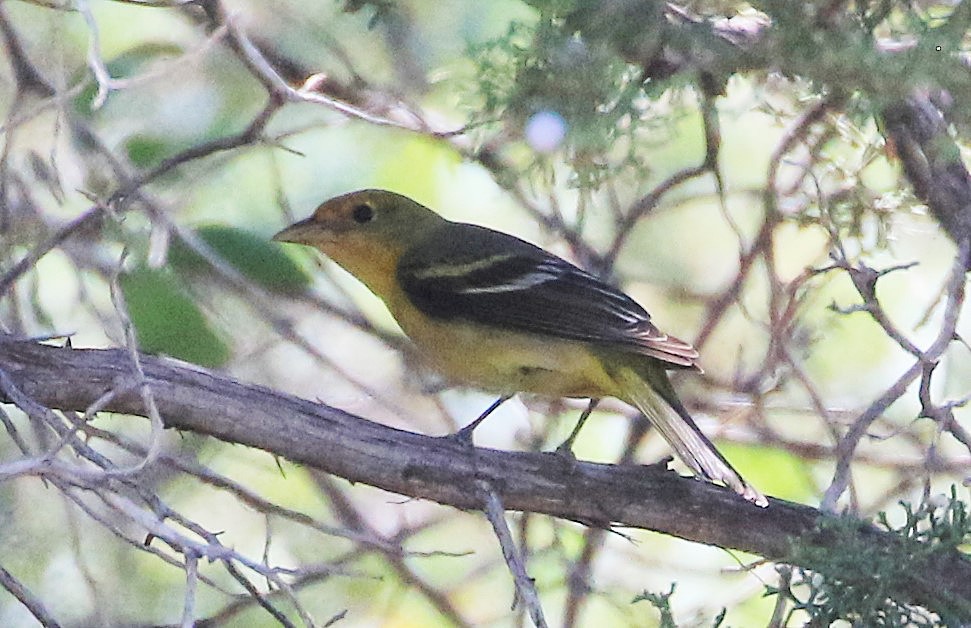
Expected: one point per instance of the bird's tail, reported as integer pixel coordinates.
(652, 394)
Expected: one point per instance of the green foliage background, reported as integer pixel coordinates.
(484, 67)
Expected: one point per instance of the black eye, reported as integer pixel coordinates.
(363, 213)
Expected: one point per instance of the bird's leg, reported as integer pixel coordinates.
(566, 447)
(464, 435)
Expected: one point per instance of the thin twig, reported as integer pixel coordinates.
(35, 606)
(525, 587)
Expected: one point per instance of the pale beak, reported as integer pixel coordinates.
(299, 232)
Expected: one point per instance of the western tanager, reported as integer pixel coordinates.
(496, 312)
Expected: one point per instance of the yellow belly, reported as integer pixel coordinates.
(504, 362)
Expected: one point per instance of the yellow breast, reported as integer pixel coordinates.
(505, 362)
(502, 361)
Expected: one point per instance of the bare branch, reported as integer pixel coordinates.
(441, 470)
(525, 587)
(34, 605)
(847, 445)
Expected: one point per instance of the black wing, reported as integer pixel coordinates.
(477, 274)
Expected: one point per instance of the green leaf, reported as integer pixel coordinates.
(167, 321)
(255, 257)
(125, 65)
(146, 151)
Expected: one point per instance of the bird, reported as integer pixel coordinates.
(493, 311)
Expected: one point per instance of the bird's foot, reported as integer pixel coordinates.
(462, 436)
(664, 464)
(564, 454)
(565, 451)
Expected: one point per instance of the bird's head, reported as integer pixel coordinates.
(366, 232)
(366, 214)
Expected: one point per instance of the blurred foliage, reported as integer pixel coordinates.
(128, 64)
(662, 602)
(262, 262)
(854, 581)
(166, 315)
(785, 372)
(542, 66)
(167, 319)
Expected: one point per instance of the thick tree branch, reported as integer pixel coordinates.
(932, 161)
(444, 471)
